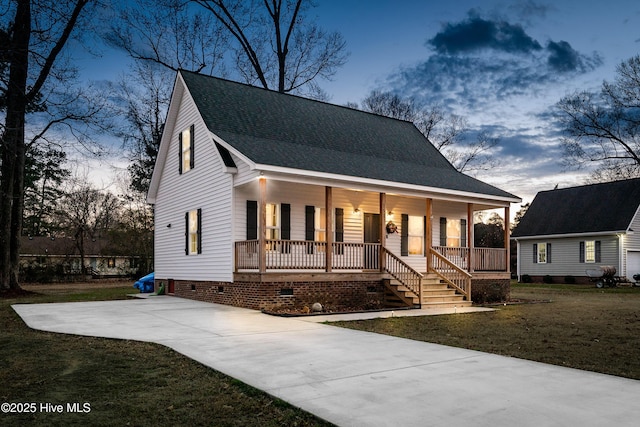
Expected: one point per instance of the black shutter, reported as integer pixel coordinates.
(463, 233)
(199, 231)
(180, 153)
(285, 221)
(186, 233)
(309, 222)
(339, 230)
(404, 235)
(252, 220)
(339, 225)
(535, 253)
(192, 147)
(582, 252)
(443, 231)
(309, 226)
(285, 227)
(598, 251)
(548, 253)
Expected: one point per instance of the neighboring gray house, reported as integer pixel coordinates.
(267, 200)
(568, 231)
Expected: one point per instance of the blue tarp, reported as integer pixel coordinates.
(145, 284)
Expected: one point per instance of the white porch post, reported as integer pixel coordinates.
(507, 237)
(383, 231)
(470, 237)
(262, 226)
(328, 208)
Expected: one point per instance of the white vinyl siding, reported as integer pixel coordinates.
(566, 256)
(207, 187)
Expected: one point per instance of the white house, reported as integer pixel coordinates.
(568, 231)
(266, 200)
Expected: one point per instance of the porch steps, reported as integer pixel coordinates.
(436, 294)
(397, 295)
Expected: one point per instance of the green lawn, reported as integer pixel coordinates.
(580, 327)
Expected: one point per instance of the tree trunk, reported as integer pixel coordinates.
(13, 149)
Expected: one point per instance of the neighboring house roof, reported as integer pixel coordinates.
(270, 128)
(62, 246)
(596, 208)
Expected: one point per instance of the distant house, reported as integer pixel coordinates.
(266, 200)
(44, 258)
(568, 231)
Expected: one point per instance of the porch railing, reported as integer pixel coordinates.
(403, 273)
(451, 273)
(307, 255)
(489, 259)
(484, 259)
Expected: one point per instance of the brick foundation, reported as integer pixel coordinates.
(260, 293)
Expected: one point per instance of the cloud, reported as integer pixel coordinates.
(478, 61)
(476, 33)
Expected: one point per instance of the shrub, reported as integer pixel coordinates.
(483, 293)
(547, 279)
(526, 278)
(569, 280)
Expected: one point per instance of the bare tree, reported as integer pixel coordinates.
(87, 213)
(168, 33)
(444, 131)
(603, 129)
(34, 61)
(276, 45)
(144, 99)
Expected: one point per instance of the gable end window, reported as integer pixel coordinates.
(186, 149)
(193, 233)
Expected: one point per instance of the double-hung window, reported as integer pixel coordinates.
(186, 149)
(273, 221)
(590, 251)
(193, 234)
(416, 235)
(542, 253)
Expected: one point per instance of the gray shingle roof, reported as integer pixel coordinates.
(586, 209)
(293, 132)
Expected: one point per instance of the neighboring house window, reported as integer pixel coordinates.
(590, 251)
(542, 253)
(415, 234)
(186, 142)
(193, 224)
(111, 263)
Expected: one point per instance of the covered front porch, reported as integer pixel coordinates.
(373, 235)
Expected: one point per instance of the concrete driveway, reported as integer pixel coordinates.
(354, 378)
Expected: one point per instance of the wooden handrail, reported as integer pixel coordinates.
(402, 272)
(453, 275)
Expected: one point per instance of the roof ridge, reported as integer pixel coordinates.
(293, 95)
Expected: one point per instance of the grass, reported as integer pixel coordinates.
(126, 383)
(581, 327)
